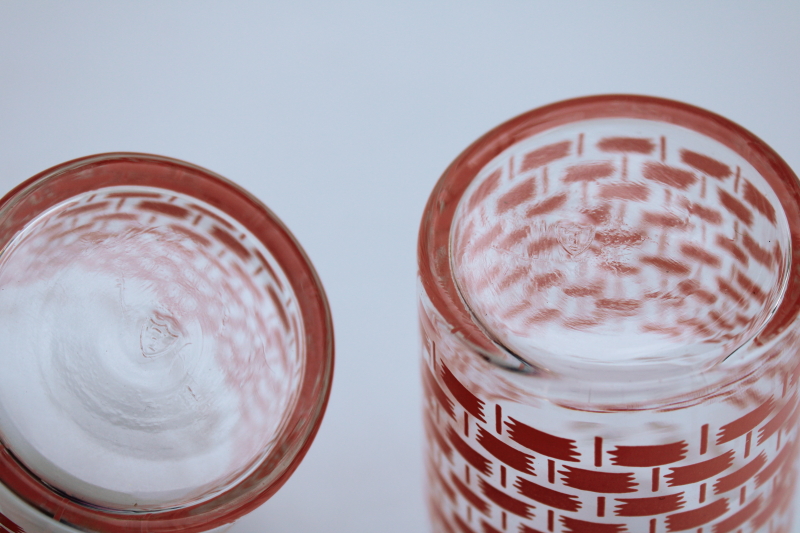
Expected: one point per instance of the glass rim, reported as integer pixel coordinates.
(434, 261)
(301, 421)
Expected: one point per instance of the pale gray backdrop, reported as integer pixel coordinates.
(340, 116)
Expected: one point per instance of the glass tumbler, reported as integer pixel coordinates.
(166, 349)
(609, 311)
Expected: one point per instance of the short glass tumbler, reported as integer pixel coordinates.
(166, 349)
(609, 309)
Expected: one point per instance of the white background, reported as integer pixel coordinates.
(341, 116)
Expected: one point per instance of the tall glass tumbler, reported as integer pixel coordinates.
(166, 349)
(609, 309)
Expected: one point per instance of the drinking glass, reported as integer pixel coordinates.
(166, 350)
(609, 314)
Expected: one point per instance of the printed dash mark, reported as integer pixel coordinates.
(462, 526)
(697, 517)
(485, 189)
(545, 155)
(770, 428)
(744, 474)
(479, 462)
(573, 525)
(739, 517)
(735, 207)
(512, 505)
(547, 496)
(589, 172)
(470, 496)
(645, 456)
(171, 210)
(9, 525)
(230, 242)
(486, 528)
(518, 195)
(626, 144)
(505, 453)
(674, 177)
(471, 403)
(602, 482)
(650, 506)
(83, 209)
(541, 442)
(707, 165)
(430, 383)
(686, 475)
(433, 432)
(746, 423)
(754, 197)
(770, 470)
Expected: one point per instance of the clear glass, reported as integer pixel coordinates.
(610, 327)
(167, 349)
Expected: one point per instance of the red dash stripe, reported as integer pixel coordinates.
(488, 529)
(196, 237)
(463, 396)
(728, 290)
(692, 288)
(626, 306)
(636, 192)
(541, 442)
(133, 195)
(743, 475)
(777, 421)
(545, 155)
(276, 301)
(788, 451)
(486, 240)
(83, 209)
(8, 524)
(578, 292)
(736, 207)
(746, 423)
(470, 496)
(699, 254)
(646, 456)
(650, 506)
(486, 188)
(546, 206)
(438, 393)
(703, 163)
(230, 242)
(626, 144)
(697, 517)
(211, 215)
(588, 172)
(573, 525)
(739, 517)
(758, 253)
(462, 526)
(712, 216)
(620, 237)
(479, 462)
(547, 496)
(663, 220)
(164, 208)
(667, 265)
(598, 215)
(512, 505)
(433, 432)
(518, 195)
(728, 245)
(504, 452)
(750, 287)
(674, 177)
(595, 481)
(754, 197)
(695, 473)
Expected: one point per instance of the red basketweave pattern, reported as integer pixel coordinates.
(492, 470)
(599, 232)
